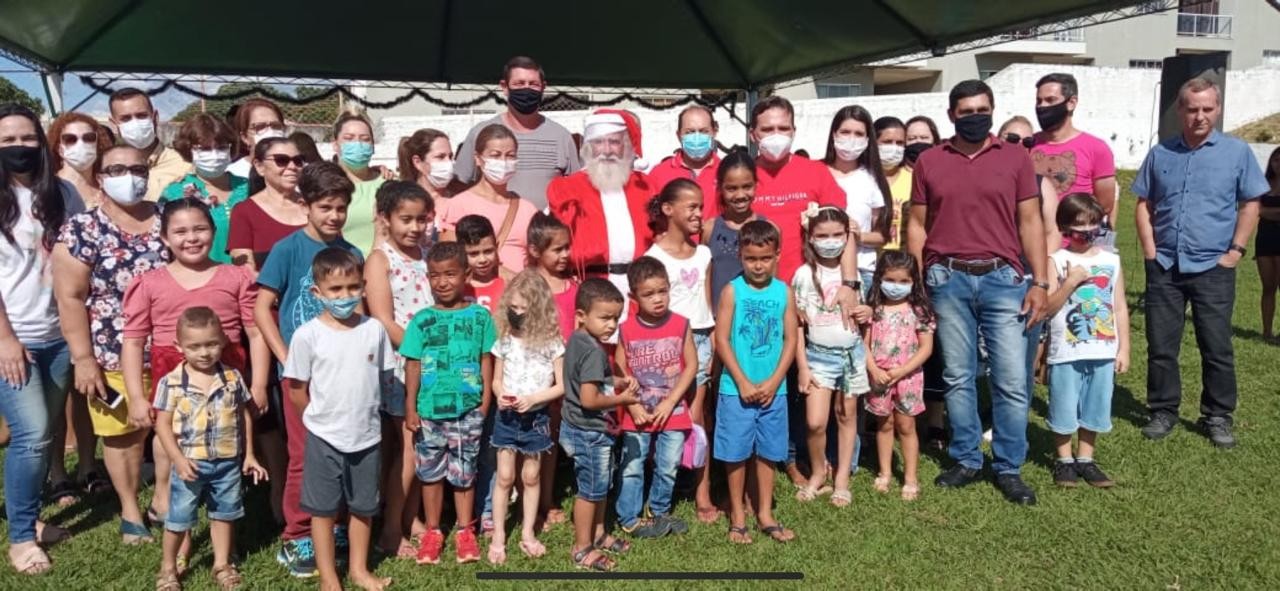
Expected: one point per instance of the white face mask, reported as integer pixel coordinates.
(441, 173)
(80, 156)
(139, 133)
(775, 147)
(850, 148)
(267, 134)
(211, 163)
(499, 171)
(125, 190)
(891, 155)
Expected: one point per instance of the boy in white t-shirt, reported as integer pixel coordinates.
(337, 366)
(1088, 340)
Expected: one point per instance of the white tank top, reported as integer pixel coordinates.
(410, 291)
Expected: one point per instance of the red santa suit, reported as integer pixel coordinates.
(608, 229)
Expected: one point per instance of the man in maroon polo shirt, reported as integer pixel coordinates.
(975, 216)
(696, 159)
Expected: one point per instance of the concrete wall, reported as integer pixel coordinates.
(1118, 105)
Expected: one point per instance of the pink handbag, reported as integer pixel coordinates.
(695, 449)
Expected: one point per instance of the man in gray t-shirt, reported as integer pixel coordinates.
(545, 148)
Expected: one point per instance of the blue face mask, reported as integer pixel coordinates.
(895, 291)
(341, 308)
(696, 145)
(357, 154)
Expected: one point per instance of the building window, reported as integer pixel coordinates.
(1146, 64)
(1203, 19)
(1271, 57)
(830, 90)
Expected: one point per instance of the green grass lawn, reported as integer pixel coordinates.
(1183, 514)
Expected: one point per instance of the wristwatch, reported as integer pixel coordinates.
(1240, 249)
(1041, 284)
(853, 284)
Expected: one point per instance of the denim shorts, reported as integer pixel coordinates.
(746, 429)
(217, 484)
(449, 449)
(592, 454)
(526, 433)
(393, 399)
(702, 342)
(842, 370)
(1080, 396)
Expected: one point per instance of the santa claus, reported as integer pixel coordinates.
(605, 204)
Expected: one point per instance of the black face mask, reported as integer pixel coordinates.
(974, 128)
(913, 151)
(19, 159)
(525, 100)
(516, 321)
(1052, 116)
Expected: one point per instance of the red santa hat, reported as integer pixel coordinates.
(606, 121)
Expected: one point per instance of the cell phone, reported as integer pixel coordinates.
(112, 398)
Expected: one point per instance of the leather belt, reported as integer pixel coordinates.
(974, 267)
(610, 269)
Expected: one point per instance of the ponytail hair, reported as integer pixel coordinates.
(418, 145)
(658, 221)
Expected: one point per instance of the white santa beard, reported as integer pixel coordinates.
(609, 175)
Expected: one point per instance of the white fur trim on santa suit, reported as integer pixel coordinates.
(598, 125)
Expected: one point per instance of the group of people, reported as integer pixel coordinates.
(363, 343)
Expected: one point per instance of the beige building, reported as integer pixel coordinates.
(1248, 29)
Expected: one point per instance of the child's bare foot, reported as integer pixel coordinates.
(369, 582)
(531, 547)
(497, 553)
(797, 478)
(740, 535)
(709, 514)
(881, 483)
(841, 498)
(910, 491)
(335, 585)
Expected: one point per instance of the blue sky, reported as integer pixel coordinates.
(75, 91)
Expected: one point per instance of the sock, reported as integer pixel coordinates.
(1084, 460)
(1067, 460)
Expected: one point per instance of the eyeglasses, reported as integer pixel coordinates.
(261, 125)
(283, 160)
(70, 139)
(1027, 142)
(121, 170)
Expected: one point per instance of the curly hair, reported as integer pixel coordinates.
(60, 124)
(542, 321)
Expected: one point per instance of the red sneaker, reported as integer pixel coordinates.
(468, 550)
(432, 544)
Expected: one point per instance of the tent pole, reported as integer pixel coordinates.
(753, 97)
(53, 91)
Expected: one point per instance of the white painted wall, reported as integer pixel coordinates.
(1118, 105)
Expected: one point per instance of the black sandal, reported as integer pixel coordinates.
(602, 563)
(94, 483)
(619, 545)
(63, 489)
(776, 532)
(743, 532)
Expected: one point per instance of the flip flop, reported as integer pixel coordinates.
(49, 534)
(532, 549)
(62, 491)
(744, 535)
(910, 492)
(841, 498)
(497, 554)
(32, 562)
(138, 531)
(778, 533)
(602, 563)
(94, 483)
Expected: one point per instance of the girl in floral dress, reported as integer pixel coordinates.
(899, 340)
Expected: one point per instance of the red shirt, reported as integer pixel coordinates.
(486, 295)
(781, 196)
(973, 202)
(672, 167)
(567, 310)
(254, 229)
(655, 357)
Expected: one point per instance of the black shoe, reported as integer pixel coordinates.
(937, 439)
(956, 476)
(674, 524)
(1092, 474)
(1218, 430)
(1065, 475)
(1015, 490)
(1160, 425)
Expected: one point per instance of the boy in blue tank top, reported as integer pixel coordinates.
(756, 348)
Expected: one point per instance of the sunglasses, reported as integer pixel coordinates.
(70, 139)
(121, 170)
(1027, 142)
(1085, 235)
(261, 125)
(283, 160)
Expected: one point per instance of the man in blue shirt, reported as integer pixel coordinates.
(1198, 204)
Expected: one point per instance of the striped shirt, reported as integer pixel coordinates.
(206, 424)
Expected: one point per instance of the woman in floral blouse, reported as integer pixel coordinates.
(98, 253)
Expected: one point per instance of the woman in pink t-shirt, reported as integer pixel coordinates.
(496, 156)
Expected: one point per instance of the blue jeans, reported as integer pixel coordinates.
(666, 459)
(28, 409)
(990, 305)
(1080, 396)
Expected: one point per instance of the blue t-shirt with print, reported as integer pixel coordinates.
(288, 273)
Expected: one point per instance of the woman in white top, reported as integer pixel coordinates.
(35, 366)
(857, 170)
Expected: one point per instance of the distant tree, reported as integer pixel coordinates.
(10, 93)
(323, 111)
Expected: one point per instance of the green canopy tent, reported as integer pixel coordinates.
(706, 44)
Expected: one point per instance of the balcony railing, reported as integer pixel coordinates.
(1204, 25)
(1067, 36)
